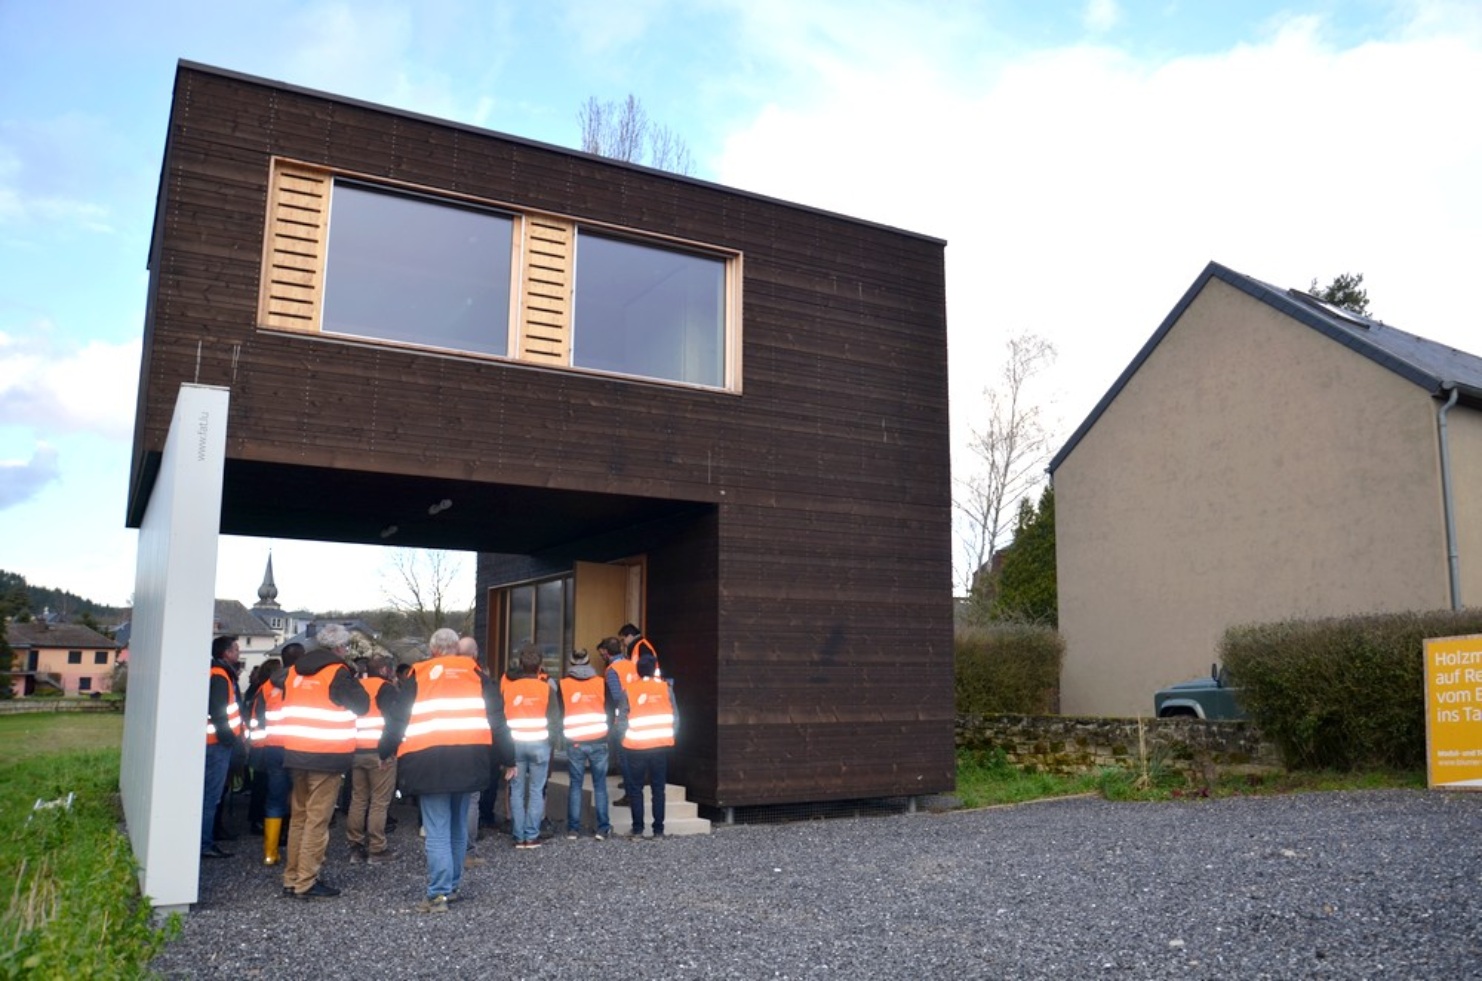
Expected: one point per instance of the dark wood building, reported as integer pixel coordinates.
(639, 396)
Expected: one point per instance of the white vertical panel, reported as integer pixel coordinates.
(164, 749)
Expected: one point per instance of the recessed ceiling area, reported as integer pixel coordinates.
(269, 500)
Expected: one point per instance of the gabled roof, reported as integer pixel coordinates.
(234, 618)
(1432, 366)
(39, 634)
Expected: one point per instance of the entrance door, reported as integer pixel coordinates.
(601, 603)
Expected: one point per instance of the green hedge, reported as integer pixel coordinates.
(1342, 693)
(1008, 668)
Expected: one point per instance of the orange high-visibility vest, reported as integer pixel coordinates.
(650, 715)
(233, 710)
(312, 722)
(526, 701)
(368, 727)
(270, 698)
(584, 717)
(627, 671)
(450, 708)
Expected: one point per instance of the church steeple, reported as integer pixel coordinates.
(267, 593)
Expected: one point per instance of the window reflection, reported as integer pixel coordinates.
(403, 269)
(655, 313)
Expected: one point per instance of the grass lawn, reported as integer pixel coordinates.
(30, 734)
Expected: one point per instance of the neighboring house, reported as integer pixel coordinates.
(637, 395)
(255, 638)
(65, 657)
(1265, 456)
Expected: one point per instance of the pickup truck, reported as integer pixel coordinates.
(1202, 698)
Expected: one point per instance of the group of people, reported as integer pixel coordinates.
(436, 730)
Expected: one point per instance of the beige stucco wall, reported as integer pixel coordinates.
(1251, 470)
(1465, 435)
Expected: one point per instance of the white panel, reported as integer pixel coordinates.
(164, 749)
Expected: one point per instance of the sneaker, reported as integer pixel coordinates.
(288, 891)
(622, 801)
(599, 836)
(453, 896)
(357, 855)
(319, 890)
(216, 851)
(571, 836)
(437, 904)
(380, 858)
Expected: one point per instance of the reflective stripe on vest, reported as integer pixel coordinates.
(271, 697)
(233, 710)
(526, 701)
(583, 705)
(650, 715)
(368, 727)
(450, 708)
(312, 722)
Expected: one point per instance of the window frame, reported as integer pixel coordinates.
(295, 257)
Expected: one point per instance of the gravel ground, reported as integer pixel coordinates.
(1378, 884)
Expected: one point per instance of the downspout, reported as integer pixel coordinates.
(1453, 560)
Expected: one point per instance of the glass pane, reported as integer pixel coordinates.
(550, 622)
(404, 269)
(521, 620)
(656, 313)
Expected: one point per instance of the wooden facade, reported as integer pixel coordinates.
(794, 529)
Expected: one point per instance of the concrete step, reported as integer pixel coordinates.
(681, 816)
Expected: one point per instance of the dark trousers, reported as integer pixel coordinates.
(648, 768)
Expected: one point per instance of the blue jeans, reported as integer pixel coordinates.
(580, 757)
(650, 767)
(280, 783)
(532, 764)
(445, 819)
(218, 764)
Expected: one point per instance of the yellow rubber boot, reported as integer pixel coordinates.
(271, 828)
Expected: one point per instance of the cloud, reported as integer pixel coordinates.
(1101, 16)
(59, 390)
(22, 480)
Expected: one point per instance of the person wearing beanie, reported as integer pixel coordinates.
(584, 725)
(652, 725)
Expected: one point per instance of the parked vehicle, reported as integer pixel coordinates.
(1202, 698)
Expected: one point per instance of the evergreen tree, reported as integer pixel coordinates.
(1026, 582)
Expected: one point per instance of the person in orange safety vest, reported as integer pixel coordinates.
(653, 721)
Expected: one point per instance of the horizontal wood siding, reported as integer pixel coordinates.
(807, 606)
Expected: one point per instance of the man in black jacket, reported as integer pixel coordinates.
(226, 738)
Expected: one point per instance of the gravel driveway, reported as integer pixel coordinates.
(1378, 884)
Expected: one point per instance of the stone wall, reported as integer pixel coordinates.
(1199, 749)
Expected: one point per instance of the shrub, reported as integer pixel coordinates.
(1342, 693)
(1008, 669)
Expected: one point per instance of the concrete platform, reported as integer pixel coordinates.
(681, 817)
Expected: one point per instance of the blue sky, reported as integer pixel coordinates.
(1083, 159)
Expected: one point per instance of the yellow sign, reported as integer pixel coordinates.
(1453, 712)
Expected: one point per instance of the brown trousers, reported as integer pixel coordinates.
(371, 789)
(313, 800)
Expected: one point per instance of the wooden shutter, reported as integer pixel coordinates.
(545, 328)
(293, 254)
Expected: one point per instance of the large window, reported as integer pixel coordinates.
(403, 268)
(646, 311)
(540, 613)
(348, 256)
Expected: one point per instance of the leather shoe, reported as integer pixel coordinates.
(319, 890)
(215, 851)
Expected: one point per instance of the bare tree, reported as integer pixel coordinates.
(624, 132)
(419, 586)
(1009, 455)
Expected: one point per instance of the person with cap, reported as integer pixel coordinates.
(653, 721)
(321, 700)
(444, 726)
(226, 738)
(584, 727)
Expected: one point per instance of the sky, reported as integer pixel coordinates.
(1084, 160)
